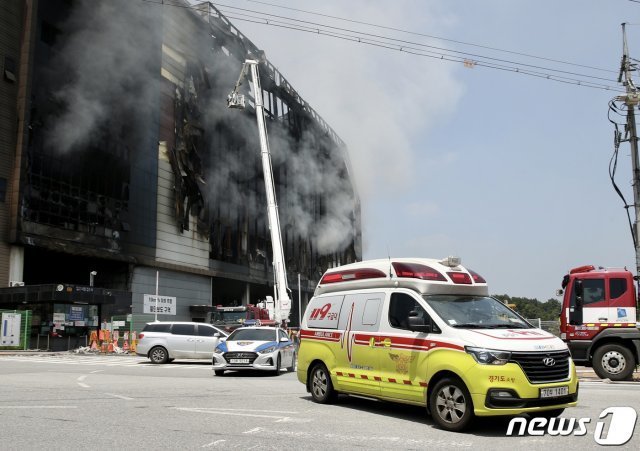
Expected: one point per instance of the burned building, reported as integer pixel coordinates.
(121, 166)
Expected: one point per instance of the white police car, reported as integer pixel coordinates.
(255, 348)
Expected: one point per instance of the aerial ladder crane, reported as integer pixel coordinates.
(282, 301)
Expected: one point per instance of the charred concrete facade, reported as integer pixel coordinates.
(118, 156)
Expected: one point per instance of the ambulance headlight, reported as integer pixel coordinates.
(268, 350)
(488, 356)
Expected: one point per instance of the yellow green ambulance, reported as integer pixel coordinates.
(426, 332)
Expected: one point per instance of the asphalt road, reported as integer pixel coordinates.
(67, 401)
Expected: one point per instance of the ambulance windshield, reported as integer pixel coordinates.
(475, 312)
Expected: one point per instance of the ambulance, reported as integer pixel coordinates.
(426, 332)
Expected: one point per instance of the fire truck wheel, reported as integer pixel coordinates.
(321, 386)
(450, 404)
(613, 362)
(158, 355)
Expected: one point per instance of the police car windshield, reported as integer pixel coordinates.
(253, 335)
(475, 312)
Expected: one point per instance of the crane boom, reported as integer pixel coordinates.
(281, 287)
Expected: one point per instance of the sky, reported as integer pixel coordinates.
(508, 171)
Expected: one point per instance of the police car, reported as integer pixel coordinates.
(255, 348)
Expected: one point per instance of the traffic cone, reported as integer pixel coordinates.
(110, 347)
(125, 346)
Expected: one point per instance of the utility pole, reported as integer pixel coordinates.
(631, 99)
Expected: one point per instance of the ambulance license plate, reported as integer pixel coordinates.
(238, 360)
(554, 392)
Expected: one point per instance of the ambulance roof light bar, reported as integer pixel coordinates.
(417, 271)
(352, 274)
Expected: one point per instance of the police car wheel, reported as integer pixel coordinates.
(320, 385)
(276, 372)
(450, 404)
(293, 363)
(158, 355)
(613, 362)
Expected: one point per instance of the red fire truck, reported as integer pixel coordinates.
(230, 318)
(598, 320)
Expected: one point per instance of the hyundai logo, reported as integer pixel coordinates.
(549, 361)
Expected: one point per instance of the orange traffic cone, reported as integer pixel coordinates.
(110, 347)
(125, 346)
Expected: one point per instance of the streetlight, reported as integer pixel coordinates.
(92, 274)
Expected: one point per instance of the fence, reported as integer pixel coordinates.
(550, 326)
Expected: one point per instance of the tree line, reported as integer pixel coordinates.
(532, 308)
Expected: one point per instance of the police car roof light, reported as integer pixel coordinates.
(417, 271)
(352, 274)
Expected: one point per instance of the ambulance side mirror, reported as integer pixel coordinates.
(416, 323)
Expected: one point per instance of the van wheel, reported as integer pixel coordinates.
(292, 368)
(219, 372)
(614, 362)
(158, 355)
(321, 386)
(450, 404)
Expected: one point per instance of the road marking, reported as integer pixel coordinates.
(213, 443)
(82, 384)
(246, 413)
(126, 398)
(38, 407)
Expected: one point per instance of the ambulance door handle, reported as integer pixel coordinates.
(386, 342)
(602, 319)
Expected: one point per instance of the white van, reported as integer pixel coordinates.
(426, 332)
(163, 342)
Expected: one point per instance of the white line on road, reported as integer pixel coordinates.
(38, 407)
(213, 443)
(126, 398)
(239, 414)
(82, 384)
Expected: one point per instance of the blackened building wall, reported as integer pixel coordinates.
(127, 161)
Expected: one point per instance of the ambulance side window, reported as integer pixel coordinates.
(399, 307)
(363, 311)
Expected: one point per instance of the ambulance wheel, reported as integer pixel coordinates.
(158, 355)
(450, 404)
(320, 385)
(613, 362)
(219, 372)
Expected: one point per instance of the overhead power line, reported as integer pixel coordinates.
(440, 38)
(410, 47)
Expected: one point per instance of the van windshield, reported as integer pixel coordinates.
(475, 312)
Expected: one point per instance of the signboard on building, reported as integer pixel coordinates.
(166, 305)
(10, 329)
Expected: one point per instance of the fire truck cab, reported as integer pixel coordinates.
(598, 320)
(426, 332)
